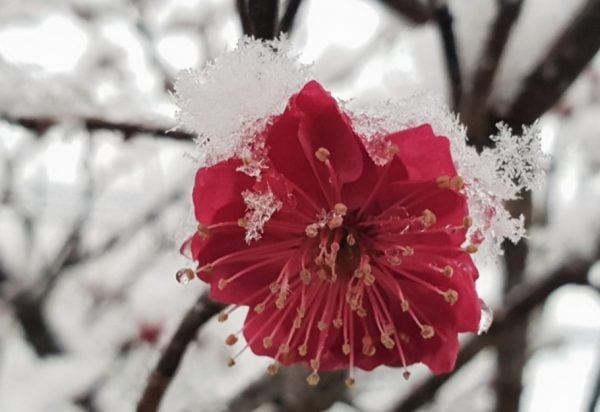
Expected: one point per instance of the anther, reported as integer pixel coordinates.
(471, 249)
(451, 296)
(335, 222)
(203, 231)
(369, 279)
(427, 332)
(280, 302)
(407, 250)
(259, 308)
(338, 323)
(443, 182)
(350, 382)
(267, 342)
(404, 305)
(392, 150)
(297, 322)
(448, 271)
(242, 223)
(368, 349)
(272, 369)
(322, 326)
(428, 218)
(467, 222)
(231, 340)
(274, 287)
(361, 312)
(230, 362)
(394, 260)
(406, 375)
(302, 349)
(222, 283)
(305, 276)
(457, 183)
(346, 349)
(313, 379)
(322, 154)
(314, 364)
(340, 209)
(284, 348)
(222, 317)
(312, 230)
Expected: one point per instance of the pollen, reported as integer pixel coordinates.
(312, 230)
(471, 249)
(230, 362)
(451, 296)
(222, 317)
(274, 287)
(457, 183)
(231, 340)
(427, 332)
(302, 349)
(272, 369)
(267, 342)
(448, 271)
(260, 308)
(350, 382)
(467, 222)
(340, 209)
(335, 222)
(322, 154)
(406, 375)
(428, 218)
(305, 276)
(313, 379)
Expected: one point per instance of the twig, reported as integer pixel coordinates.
(242, 9)
(595, 396)
(289, 16)
(413, 10)
(475, 104)
(158, 382)
(40, 125)
(263, 17)
(444, 19)
(569, 55)
(519, 303)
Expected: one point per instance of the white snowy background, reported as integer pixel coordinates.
(115, 60)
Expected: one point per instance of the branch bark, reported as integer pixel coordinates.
(565, 60)
(519, 303)
(160, 379)
(289, 16)
(413, 10)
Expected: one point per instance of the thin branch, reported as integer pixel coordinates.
(475, 104)
(289, 16)
(594, 401)
(413, 10)
(158, 382)
(263, 17)
(565, 60)
(444, 19)
(519, 303)
(40, 125)
(242, 9)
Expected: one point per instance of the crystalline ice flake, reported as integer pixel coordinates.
(259, 209)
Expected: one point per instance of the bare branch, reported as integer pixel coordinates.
(565, 60)
(289, 16)
(263, 18)
(242, 8)
(413, 10)
(519, 303)
(158, 382)
(475, 104)
(40, 125)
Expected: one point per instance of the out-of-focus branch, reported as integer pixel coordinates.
(475, 103)
(243, 11)
(595, 396)
(40, 125)
(288, 392)
(263, 17)
(158, 382)
(413, 10)
(565, 60)
(519, 304)
(289, 16)
(443, 17)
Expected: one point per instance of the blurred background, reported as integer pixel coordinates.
(95, 198)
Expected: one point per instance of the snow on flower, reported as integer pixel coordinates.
(348, 233)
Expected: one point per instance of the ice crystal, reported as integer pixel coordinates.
(234, 97)
(491, 177)
(259, 209)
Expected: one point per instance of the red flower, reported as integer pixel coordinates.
(343, 263)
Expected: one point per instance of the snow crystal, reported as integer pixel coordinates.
(234, 97)
(259, 209)
(497, 174)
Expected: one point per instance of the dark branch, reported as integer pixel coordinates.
(413, 10)
(40, 125)
(475, 104)
(443, 18)
(158, 382)
(242, 9)
(519, 303)
(594, 401)
(263, 18)
(289, 16)
(565, 60)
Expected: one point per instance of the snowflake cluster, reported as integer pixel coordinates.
(259, 209)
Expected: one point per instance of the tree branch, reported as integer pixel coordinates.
(289, 16)
(565, 60)
(40, 125)
(413, 10)
(263, 17)
(519, 303)
(158, 382)
(475, 104)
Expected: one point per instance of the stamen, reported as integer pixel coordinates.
(428, 219)
(313, 379)
(443, 182)
(231, 340)
(340, 209)
(312, 230)
(203, 231)
(184, 276)
(406, 375)
(230, 362)
(451, 296)
(456, 183)
(322, 154)
(272, 369)
(350, 381)
(471, 249)
(427, 331)
(467, 222)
